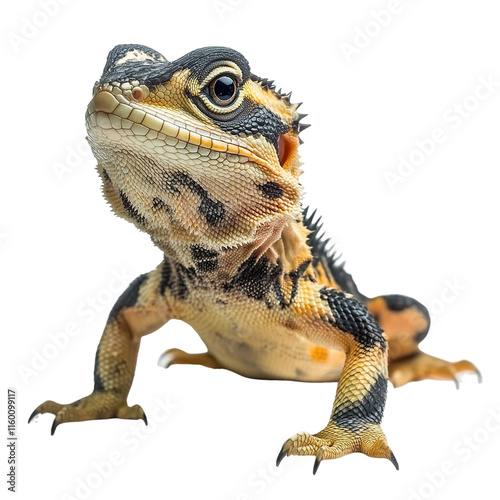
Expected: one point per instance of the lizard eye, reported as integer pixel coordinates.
(223, 90)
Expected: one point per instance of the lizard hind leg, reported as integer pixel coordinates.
(179, 357)
(406, 323)
(422, 366)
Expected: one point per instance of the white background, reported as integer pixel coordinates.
(433, 237)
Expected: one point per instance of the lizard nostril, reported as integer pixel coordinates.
(138, 94)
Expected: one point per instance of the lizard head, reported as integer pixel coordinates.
(198, 150)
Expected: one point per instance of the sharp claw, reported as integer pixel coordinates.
(33, 415)
(166, 360)
(145, 418)
(281, 455)
(457, 383)
(55, 423)
(316, 465)
(479, 376)
(394, 461)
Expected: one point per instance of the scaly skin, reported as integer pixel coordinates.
(203, 155)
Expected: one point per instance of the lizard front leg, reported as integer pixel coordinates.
(138, 312)
(354, 424)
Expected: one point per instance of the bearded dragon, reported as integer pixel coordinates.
(202, 154)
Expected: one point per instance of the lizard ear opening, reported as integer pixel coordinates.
(285, 148)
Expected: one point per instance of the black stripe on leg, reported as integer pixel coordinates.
(351, 316)
(98, 385)
(129, 297)
(368, 410)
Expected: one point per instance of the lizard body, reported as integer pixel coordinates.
(203, 156)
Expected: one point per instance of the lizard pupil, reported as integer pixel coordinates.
(223, 90)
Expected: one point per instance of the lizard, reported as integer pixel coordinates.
(202, 155)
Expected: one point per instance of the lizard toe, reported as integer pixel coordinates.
(336, 441)
(98, 405)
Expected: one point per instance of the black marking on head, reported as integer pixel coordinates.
(351, 316)
(128, 298)
(98, 385)
(249, 119)
(213, 210)
(132, 212)
(105, 175)
(369, 409)
(323, 252)
(202, 61)
(271, 190)
(155, 69)
(205, 260)
(159, 204)
(152, 66)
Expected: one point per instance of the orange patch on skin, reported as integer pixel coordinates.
(318, 354)
(399, 326)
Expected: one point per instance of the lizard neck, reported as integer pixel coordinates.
(280, 243)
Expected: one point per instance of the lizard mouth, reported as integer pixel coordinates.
(122, 120)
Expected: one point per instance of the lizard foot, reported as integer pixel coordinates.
(335, 441)
(421, 366)
(96, 406)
